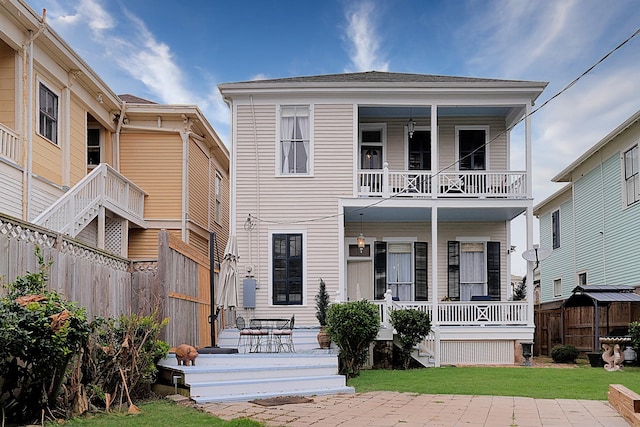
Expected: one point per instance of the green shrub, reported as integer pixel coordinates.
(412, 326)
(564, 354)
(353, 326)
(322, 303)
(40, 332)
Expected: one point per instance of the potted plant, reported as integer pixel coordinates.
(322, 305)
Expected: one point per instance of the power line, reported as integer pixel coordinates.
(441, 171)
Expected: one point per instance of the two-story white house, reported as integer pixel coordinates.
(386, 184)
(591, 227)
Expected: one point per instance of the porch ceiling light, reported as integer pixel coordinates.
(411, 125)
(361, 240)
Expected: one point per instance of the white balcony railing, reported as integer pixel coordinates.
(476, 313)
(9, 144)
(104, 186)
(386, 183)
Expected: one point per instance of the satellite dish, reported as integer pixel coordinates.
(536, 254)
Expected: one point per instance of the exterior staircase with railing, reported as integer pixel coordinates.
(102, 187)
(247, 376)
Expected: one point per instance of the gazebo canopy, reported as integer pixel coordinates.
(590, 295)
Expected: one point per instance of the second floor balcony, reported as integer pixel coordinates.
(387, 183)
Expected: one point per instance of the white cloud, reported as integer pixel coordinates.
(86, 11)
(364, 49)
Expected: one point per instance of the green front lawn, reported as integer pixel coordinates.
(580, 382)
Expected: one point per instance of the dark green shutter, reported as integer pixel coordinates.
(493, 270)
(420, 271)
(380, 269)
(453, 274)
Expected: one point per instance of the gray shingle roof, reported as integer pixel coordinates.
(132, 99)
(381, 77)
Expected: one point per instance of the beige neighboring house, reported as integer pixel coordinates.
(397, 188)
(109, 171)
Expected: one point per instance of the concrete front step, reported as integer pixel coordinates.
(241, 377)
(239, 390)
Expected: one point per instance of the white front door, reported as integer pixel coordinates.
(359, 280)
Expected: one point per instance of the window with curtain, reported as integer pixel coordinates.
(399, 270)
(631, 175)
(294, 140)
(472, 270)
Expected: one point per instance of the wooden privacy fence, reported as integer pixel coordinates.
(176, 284)
(97, 280)
(183, 280)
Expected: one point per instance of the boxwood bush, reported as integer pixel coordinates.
(564, 354)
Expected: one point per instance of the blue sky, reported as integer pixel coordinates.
(178, 52)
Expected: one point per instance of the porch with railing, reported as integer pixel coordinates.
(10, 144)
(103, 186)
(422, 184)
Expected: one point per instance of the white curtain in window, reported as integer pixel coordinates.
(302, 155)
(472, 270)
(286, 135)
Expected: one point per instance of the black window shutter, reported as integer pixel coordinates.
(420, 272)
(453, 275)
(380, 269)
(493, 270)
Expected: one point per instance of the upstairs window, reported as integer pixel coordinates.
(582, 279)
(218, 212)
(93, 146)
(48, 117)
(294, 140)
(472, 149)
(555, 228)
(631, 176)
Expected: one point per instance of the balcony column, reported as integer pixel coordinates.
(386, 192)
(435, 188)
(530, 267)
(527, 143)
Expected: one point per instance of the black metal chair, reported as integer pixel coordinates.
(246, 338)
(283, 335)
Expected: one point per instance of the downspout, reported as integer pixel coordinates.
(27, 155)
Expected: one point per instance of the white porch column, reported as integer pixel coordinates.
(527, 143)
(434, 151)
(434, 265)
(530, 267)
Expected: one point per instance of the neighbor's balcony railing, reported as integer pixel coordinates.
(387, 183)
(10, 144)
(476, 313)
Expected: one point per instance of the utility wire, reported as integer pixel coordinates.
(442, 170)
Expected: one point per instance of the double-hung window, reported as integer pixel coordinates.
(287, 269)
(631, 176)
(294, 140)
(555, 228)
(48, 116)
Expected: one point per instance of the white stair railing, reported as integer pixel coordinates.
(103, 186)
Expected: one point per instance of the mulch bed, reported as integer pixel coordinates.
(281, 400)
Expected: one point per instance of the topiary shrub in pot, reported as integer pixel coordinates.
(564, 354)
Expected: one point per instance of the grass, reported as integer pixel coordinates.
(159, 413)
(579, 382)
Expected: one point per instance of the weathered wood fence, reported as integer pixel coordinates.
(176, 284)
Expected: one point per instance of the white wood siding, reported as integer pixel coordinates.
(283, 203)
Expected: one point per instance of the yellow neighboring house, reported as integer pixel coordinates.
(110, 171)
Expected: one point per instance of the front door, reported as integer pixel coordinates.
(359, 280)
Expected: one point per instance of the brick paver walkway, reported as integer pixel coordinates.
(386, 409)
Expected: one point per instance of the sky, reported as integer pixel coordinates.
(178, 52)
